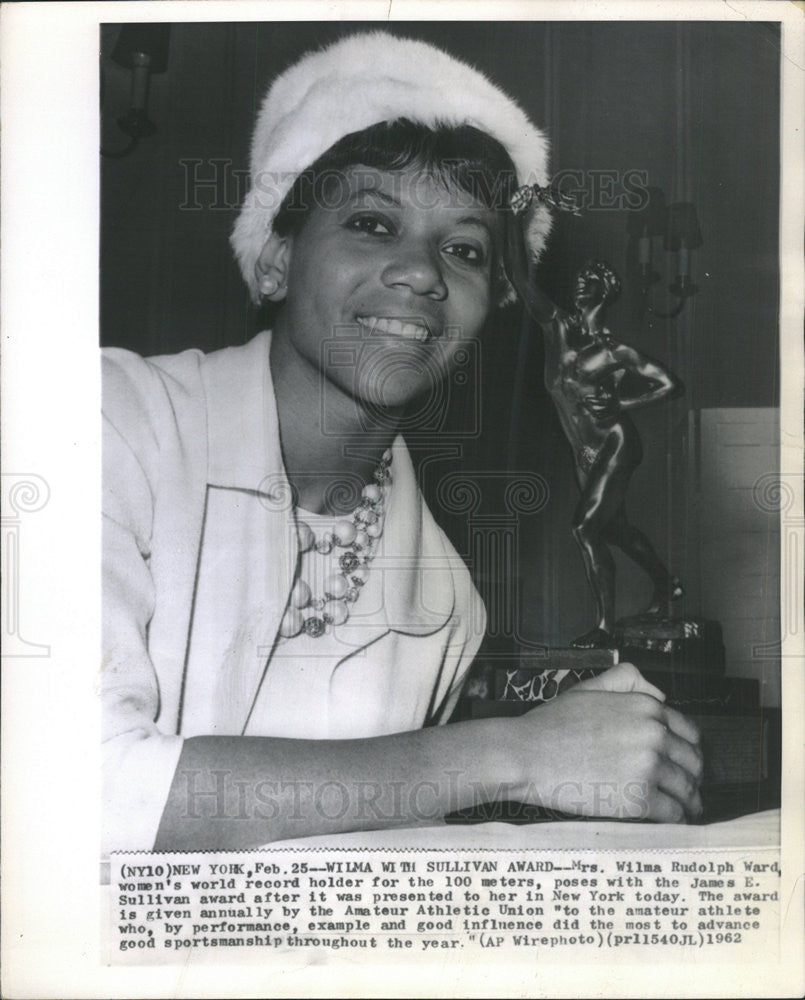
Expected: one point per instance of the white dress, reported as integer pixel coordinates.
(200, 555)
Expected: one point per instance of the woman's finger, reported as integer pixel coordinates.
(681, 725)
(624, 678)
(666, 809)
(680, 785)
(684, 754)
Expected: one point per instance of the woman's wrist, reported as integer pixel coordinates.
(502, 768)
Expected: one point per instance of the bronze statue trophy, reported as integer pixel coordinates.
(595, 381)
(584, 368)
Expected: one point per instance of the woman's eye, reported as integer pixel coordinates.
(467, 252)
(369, 224)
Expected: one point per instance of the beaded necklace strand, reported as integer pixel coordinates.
(357, 536)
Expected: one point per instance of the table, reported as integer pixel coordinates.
(760, 829)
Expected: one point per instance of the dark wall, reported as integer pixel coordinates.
(691, 108)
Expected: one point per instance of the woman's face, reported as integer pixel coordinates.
(387, 285)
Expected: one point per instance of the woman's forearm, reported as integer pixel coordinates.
(608, 747)
(230, 792)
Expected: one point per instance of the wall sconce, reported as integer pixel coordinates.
(678, 225)
(143, 49)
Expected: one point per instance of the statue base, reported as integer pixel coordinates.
(542, 678)
(653, 642)
(683, 657)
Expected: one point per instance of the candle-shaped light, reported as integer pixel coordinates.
(140, 63)
(684, 260)
(644, 250)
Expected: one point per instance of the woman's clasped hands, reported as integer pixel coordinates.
(615, 750)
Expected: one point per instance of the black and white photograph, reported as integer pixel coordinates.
(442, 502)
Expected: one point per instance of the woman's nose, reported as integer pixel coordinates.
(416, 268)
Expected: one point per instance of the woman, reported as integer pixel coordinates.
(285, 626)
(584, 366)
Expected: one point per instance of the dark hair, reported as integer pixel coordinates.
(460, 156)
(600, 271)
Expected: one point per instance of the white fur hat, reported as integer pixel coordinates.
(359, 81)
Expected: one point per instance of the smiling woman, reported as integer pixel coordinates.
(407, 274)
(414, 233)
(285, 626)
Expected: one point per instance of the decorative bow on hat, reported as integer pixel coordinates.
(551, 197)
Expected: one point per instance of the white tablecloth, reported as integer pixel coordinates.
(756, 830)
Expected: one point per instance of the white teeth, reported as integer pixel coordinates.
(412, 330)
(394, 327)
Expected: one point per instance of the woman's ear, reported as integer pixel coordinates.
(271, 268)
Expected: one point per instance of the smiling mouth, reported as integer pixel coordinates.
(404, 329)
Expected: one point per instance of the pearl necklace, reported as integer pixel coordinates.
(358, 537)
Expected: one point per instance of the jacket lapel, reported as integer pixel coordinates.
(417, 576)
(245, 456)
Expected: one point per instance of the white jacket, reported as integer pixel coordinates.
(178, 431)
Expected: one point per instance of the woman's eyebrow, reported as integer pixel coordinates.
(370, 189)
(475, 220)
